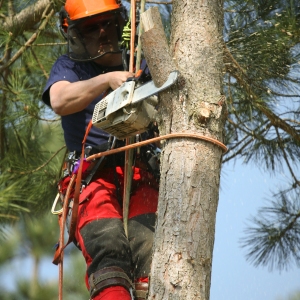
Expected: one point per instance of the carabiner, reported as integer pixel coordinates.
(53, 211)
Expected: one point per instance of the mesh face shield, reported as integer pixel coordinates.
(92, 37)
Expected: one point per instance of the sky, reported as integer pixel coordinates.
(244, 189)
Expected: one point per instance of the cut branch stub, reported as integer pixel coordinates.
(155, 46)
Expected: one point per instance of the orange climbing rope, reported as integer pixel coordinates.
(156, 139)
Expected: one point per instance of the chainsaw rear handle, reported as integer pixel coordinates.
(137, 76)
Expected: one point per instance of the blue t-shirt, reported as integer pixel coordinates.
(74, 125)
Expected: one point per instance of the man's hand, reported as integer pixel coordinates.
(116, 79)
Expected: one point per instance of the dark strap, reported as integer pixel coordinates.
(91, 174)
(106, 277)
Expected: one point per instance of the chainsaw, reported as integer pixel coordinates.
(129, 109)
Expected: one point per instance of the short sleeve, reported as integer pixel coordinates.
(63, 70)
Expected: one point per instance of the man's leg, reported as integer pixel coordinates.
(141, 232)
(141, 224)
(102, 239)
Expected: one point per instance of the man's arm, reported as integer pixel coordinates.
(68, 98)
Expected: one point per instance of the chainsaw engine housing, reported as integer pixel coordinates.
(126, 121)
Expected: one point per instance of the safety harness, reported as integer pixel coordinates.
(76, 179)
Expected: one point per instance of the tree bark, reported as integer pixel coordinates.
(27, 18)
(190, 169)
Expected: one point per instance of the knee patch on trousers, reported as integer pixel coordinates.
(140, 235)
(106, 243)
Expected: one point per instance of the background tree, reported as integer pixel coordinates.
(293, 296)
(28, 169)
(262, 85)
(30, 242)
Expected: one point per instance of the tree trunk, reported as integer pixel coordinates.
(190, 169)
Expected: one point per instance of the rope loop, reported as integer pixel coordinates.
(156, 139)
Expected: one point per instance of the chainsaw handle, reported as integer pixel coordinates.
(137, 76)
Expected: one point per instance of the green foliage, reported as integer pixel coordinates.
(262, 38)
(28, 178)
(293, 296)
(29, 167)
(74, 287)
(262, 85)
(46, 292)
(31, 239)
(275, 238)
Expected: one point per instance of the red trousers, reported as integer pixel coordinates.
(100, 233)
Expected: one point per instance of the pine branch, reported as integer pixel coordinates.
(49, 44)
(28, 17)
(43, 165)
(281, 145)
(246, 141)
(29, 42)
(6, 53)
(274, 239)
(40, 64)
(42, 119)
(235, 70)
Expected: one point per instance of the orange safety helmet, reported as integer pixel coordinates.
(76, 12)
(78, 9)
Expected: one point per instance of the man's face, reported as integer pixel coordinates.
(99, 35)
